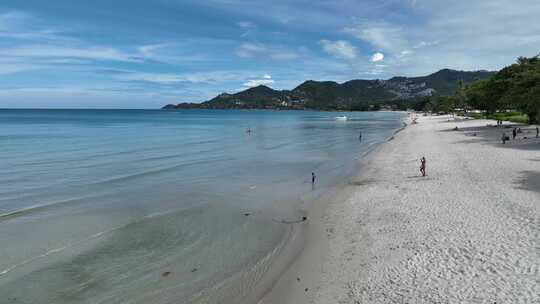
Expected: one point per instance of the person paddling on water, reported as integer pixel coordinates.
(423, 166)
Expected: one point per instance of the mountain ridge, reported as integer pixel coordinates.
(355, 94)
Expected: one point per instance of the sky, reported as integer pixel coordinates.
(145, 54)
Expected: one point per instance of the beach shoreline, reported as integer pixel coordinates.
(461, 234)
(295, 241)
(304, 237)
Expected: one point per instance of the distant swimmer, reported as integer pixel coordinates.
(423, 166)
(248, 131)
(360, 136)
(313, 178)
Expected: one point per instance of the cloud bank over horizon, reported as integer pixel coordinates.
(145, 54)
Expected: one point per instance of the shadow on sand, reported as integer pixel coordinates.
(529, 180)
(491, 135)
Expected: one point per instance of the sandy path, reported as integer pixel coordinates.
(469, 232)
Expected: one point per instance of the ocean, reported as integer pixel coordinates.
(153, 206)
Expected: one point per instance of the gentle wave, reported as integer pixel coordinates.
(38, 208)
(124, 178)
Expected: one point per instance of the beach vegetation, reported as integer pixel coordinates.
(512, 116)
(512, 94)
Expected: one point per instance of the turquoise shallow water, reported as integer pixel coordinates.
(95, 205)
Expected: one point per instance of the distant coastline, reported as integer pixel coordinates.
(397, 93)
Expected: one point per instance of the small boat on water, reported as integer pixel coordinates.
(341, 118)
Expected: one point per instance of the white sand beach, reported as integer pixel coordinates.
(468, 232)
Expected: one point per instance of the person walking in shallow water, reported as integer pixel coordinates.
(313, 178)
(423, 166)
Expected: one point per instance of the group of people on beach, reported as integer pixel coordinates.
(515, 132)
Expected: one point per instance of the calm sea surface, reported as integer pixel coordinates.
(135, 206)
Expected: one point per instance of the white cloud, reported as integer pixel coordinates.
(252, 50)
(148, 51)
(265, 80)
(23, 26)
(257, 82)
(377, 57)
(382, 35)
(212, 77)
(248, 27)
(249, 50)
(12, 68)
(76, 53)
(405, 52)
(422, 44)
(169, 53)
(34, 41)
(339, 48)
(246, 24)
(467, 35)
(51, 51)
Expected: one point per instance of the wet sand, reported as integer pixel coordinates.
(468, 232)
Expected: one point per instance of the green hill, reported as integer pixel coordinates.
(350, 95)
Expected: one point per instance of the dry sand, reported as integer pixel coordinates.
(469, 232)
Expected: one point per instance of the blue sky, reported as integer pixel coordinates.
(144, 54)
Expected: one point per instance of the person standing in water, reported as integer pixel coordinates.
(313, 178)
(537, 131)
(423, 166)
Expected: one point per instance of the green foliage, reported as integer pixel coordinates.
(507, 116)
(475, 115)
(516, 87)
(439, 104)
(520, 118)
